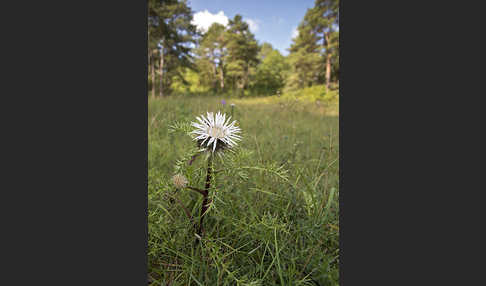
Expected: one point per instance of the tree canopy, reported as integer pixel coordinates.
(229, 60)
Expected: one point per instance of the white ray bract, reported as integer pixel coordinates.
(212, 129)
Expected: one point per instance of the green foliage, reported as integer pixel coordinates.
(190, 85)
(314, 53)
(170, 35)
(274, 217)
(227, 57)
(314, 93)
(211, 54)
(229, 61)
(242, 52)
(306, 69)
(270, 74)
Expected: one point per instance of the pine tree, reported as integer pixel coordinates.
(314, 54)
(211, 53)
(242, 51)
(305, 59)
(323, 19)
(171, 34)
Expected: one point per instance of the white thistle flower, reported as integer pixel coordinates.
(216, 129)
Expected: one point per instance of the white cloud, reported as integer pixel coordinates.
(252, 24)
(295, 33)
(204, 19)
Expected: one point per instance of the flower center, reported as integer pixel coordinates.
(216, 132)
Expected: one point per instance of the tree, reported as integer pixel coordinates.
(242, 51)
(211, 53)
(323, 19)
(314, 53)
(171, 34)
(265, 50)
(305, 59)
(270, 73)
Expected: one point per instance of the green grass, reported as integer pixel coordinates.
(262, 229)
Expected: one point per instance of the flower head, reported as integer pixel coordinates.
(223, 102)
(216, 129)
(179, 181)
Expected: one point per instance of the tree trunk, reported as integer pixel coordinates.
(161, 69)
(328, 60)
(152, 70)
(215, 76)
(328, 70)
(221, 77)
(245, 77)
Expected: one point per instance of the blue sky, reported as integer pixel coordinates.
(270, 21)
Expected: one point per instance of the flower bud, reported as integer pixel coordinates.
(179, 181)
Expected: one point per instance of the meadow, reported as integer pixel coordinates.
(273, 221)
